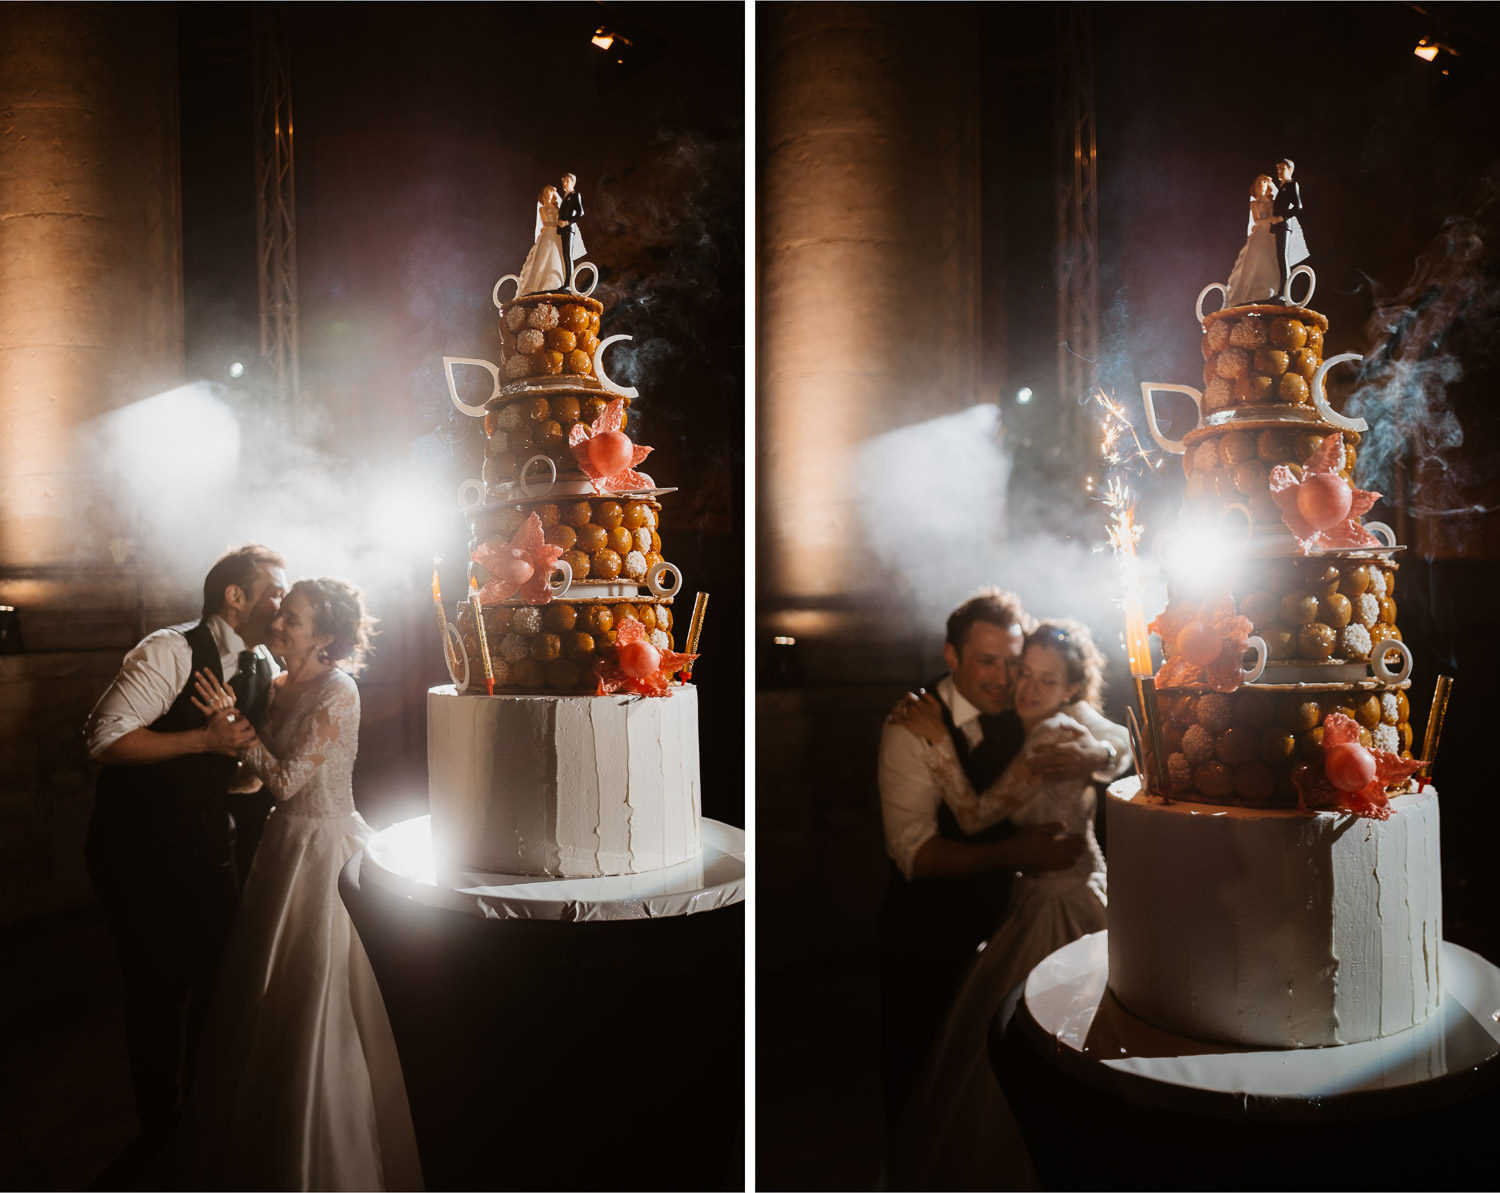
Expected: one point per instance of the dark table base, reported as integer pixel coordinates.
(1082, 1137)
(541, 1054)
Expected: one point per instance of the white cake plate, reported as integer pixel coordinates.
(399, 859)
(1076, 1022)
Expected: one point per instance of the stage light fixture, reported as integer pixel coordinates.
(612, 43)
(1429, 49)
(237, 370)
(1024, 395)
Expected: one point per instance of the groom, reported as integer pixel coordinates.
(947, 891)
(1286, 224)
(569, 212)
(160, 850)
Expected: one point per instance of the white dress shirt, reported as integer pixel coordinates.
(151, 678)
(909, 795)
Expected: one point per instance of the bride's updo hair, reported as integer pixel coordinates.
(1261, 183)
(547, 190)
(1072, 640)
(339, 610)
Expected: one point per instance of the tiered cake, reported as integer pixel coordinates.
(1283, 888)
(567, 745)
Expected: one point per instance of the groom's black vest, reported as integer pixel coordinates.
(931, 927)
(171, 812)
(962, 912)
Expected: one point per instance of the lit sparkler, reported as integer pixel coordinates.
(484, 644)
(1124, 535)
(437, 603)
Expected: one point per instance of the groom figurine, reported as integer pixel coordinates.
(1286, 223)
(569, 212)
(947, 891)
(160, 849)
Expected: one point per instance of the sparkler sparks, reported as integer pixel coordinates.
(1117, 427)
(1121, 447)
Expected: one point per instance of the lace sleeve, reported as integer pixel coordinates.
(948, 773)
(332, 717)
(1019, 785)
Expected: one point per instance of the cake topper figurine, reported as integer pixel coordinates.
(1274, 243)
(569, 212)
(1286, 224)
(1256, 276)
(558, 242)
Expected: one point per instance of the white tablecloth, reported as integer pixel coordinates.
(1088, 1033)
(400, 860)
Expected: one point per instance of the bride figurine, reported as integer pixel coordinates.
(543, 271)
(1256, 276)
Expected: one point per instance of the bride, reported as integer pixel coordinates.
(1256, 276)
(958, 1132)
(300, 1084)
(543, 271)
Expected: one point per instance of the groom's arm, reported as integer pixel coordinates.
(149, 681)
(909, 799)
(1034, 848)
(140, 747)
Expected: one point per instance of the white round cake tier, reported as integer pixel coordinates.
(577, 786)
(1280, 929)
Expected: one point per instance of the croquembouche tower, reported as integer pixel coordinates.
(1277, 880)
(567, 744)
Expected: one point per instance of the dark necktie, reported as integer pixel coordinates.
(1001, 740)
(987, 761)
(250, 689)
(983, 764)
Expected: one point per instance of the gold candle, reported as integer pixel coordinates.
(1440, 695)
(437, 604)
(695, 628)
(484, 645)
(1145, 686)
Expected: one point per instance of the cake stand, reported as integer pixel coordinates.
(400, 861)
(563, 1032)
(1171, 1105)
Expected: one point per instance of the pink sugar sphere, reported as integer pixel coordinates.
(611, 452)
(639, 659)
(1200, 643)
(1349, 766)
(516, 568)
(1323, 499)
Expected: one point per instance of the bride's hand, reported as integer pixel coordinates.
(212, 694)
(227, 732)
(921, 714)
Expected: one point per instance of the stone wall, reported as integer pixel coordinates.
(90, 321)
(869, 309)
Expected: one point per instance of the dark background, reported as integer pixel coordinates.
(423, 133)
(1398, 165)
(422, 136)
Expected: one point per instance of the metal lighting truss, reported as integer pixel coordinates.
(1077, 223)
(276, 200)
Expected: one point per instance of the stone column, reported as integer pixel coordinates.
(90, 284)
(868, 272)
(90, 320)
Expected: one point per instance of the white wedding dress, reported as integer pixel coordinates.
(543, 271)
(958, 1131)
(1256, 275)
(300, 1086)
